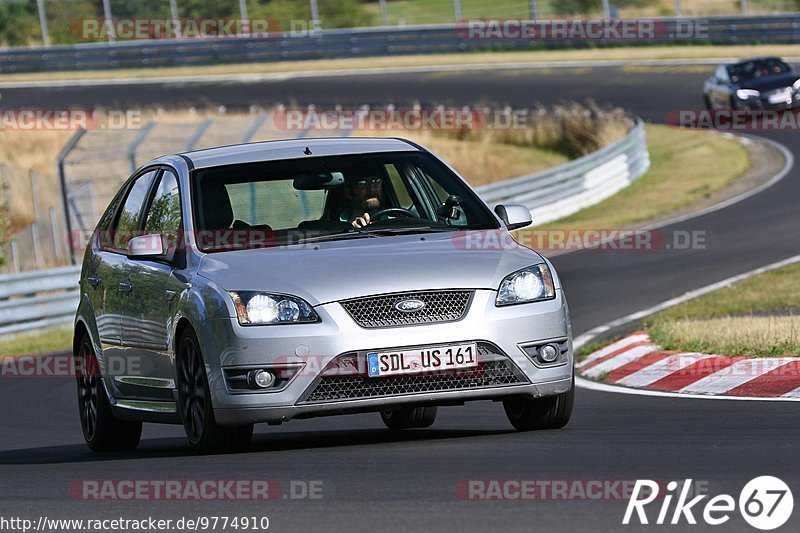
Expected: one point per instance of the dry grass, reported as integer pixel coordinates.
(53, 340)
(755, 336)
(572, 129)
(480, 160)
(756, 317)
(23, 152)
(686, 167)
(482, 58)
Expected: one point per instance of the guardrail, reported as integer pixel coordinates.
(568, 188)
(43, 298)
(38, 299)
(381, 41)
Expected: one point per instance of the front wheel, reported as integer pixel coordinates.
(409, 417)
(194, 402)
(553, 412)
(102, 431)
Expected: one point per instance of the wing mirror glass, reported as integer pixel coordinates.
(515, 216)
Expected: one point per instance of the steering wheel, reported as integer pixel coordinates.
(397, 211)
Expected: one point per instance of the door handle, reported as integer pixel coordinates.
(125, 287)
(94, 281)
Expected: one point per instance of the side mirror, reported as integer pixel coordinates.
(146, 246)
(515, 216)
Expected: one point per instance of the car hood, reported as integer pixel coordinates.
(330, 271)
(770, 82)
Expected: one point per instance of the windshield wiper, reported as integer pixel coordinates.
(413, 229)
(355, 232)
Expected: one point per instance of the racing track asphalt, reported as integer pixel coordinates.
(376, 480)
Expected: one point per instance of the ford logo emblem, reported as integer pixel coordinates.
(409, 306)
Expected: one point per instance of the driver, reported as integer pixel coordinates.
(365, 194)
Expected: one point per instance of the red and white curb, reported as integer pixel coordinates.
(635, 361)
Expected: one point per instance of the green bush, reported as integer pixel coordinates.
(19, 23)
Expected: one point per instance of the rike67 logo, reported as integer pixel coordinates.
(765, 503)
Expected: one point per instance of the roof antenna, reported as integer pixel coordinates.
(307, 151)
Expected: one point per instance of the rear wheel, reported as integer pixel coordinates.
(409, 417)
(102, 431)
(194, 402)
(553, 412)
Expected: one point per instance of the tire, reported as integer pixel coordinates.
(194, 403)
(553, 412)
(102, 431)
(409, 417)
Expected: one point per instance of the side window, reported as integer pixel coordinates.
(399, 187)
(129, 216)
(105, 237)
(164, 215)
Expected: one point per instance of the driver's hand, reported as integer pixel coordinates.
(361, 221)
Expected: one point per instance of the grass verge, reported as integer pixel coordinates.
(427, 60)
(758, 317)
(41, 342)
(687, 166)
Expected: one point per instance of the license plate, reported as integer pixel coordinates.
(420, 360)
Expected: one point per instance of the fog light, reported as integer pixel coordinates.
(260, 379)
(548, 353)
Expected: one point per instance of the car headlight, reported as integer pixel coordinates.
(529, 284)
(259, 308)
(744, 94)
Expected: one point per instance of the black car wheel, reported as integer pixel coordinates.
(194, 402)
(409, 417)
(102, 431)
(553, 412)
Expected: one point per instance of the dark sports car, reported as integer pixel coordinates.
(758, 83)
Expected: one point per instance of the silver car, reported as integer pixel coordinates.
(292, 279)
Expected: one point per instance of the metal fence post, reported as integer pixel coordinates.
(173, 10)
(109, 21)
(254, 127)
(198, 133)
(384, 13)
(54, 233)
(745, 10)
(533, 9)
(37, 245)
(14, 256)
(62, 176)
(316, 25)
(457, 9)
(43, 22)
(606, 10)
(134, 145)
(677, 8)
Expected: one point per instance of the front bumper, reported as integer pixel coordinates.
(227, 345)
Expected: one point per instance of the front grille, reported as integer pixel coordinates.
(380, 311)
(494, 370)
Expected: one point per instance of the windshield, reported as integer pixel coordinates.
(758, 68)
(315, 199)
